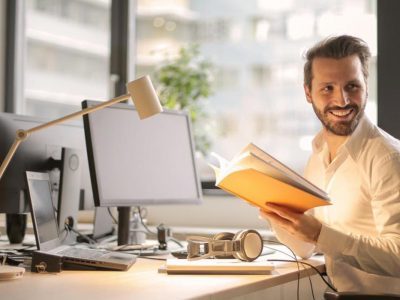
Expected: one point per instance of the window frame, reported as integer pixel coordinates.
(122, 51)
(388, 66)
(15, 45)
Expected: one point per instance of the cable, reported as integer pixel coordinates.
(151, 232)
(175, 241)
(137, 230)
(85, 237)
(295, 260)
(310, 281)
(112, 216)
(311, 266)
(301, 262)
(304, 268)
(153, 258)
(141, 220)
(304, 263)
(66, 233)
(139, 209)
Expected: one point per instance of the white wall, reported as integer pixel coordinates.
(2, 51)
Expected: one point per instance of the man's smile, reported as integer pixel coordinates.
(342, 114)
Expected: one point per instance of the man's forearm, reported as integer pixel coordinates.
(377, 255)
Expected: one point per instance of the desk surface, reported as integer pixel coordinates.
(142, 281)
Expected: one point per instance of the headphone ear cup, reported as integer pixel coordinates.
(251, 245)
(238, 237)
(224, 236)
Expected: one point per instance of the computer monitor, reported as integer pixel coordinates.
(37, 153)
(135, 162)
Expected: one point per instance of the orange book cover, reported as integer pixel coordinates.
(258, 178)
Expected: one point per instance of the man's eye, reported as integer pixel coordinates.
(352, 87)
(327, 89)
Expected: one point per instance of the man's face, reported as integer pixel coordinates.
(338, 93)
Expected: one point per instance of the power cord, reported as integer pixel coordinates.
(300, 262)
(152, 258)
(139, 209)
(112, 216)
(298, 274)
(295, 260)
(69, 228)
(175, 241)
(316, 270)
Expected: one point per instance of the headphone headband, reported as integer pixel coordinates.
(245, 245)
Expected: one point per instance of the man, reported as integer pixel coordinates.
(358, 165)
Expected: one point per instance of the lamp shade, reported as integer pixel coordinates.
(144, 97)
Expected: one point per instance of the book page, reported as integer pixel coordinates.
(217, 172)
(225, 166)
(251, 161)
(222, 162)
(295, 179)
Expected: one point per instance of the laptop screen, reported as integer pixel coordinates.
(43, 214)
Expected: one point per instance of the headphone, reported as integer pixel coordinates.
(245, 245)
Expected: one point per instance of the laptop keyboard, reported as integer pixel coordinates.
(82, 253)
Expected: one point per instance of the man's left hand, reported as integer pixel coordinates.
(304, 227)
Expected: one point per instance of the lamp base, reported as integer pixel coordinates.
(16, 227)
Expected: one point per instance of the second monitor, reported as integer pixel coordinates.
(136, 162)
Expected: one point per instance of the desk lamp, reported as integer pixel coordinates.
(141, 91)
(145, 99)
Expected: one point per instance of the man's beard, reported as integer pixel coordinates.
(342, 128)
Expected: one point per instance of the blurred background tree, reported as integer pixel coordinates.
(184, 83)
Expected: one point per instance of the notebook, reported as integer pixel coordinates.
(217, 266)
(49, 240)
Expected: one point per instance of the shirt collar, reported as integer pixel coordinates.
(318, 143)
(353, 145)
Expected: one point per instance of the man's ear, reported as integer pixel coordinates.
(307, 91)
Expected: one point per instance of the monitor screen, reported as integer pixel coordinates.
(42, 209)
(140, 162)
(34, 155)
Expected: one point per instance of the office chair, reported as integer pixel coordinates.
(357, 296)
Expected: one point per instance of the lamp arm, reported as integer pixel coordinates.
(22, 135)
(80, 113)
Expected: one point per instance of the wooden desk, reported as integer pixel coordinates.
(143, 281)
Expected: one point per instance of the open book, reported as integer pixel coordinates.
(257, 177)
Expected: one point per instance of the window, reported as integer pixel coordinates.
(257, 50)
(66, 55)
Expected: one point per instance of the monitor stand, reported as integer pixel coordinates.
(130, 228)
(124, 220)
(69, 193)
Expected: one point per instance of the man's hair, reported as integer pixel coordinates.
(337, 47)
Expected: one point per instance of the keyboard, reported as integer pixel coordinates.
(82, 253)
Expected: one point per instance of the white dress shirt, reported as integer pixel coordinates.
(360, 235)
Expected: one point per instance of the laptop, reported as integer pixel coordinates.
(47, 235)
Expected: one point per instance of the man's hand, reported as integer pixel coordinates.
(304, 227)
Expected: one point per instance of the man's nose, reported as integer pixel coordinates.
(342, 98)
